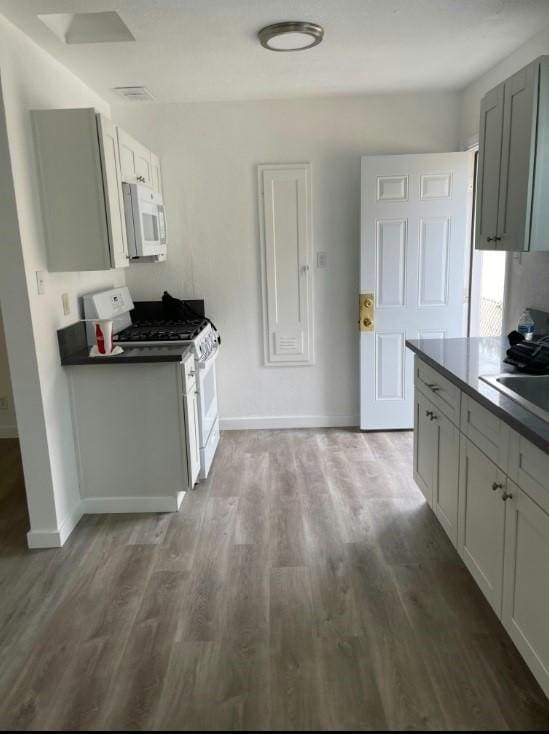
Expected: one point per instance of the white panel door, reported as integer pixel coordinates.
(285, 216)
(415, 226)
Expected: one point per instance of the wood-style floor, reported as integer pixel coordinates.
(305, 586)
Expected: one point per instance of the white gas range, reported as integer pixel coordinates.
(153, 331)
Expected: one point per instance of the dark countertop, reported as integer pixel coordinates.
(463, 361)
(130, 355)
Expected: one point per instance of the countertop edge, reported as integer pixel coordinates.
(511, 420)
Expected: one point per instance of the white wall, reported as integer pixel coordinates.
(8, 426)
(32, 79)
(209, 154)
(527, 274)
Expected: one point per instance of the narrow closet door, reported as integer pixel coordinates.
(286, 243)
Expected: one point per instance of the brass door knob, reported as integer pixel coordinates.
(368, 303)
(367, 322)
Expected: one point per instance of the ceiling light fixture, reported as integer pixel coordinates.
(291, 36)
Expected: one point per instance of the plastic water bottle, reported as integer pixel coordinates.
(526, 325)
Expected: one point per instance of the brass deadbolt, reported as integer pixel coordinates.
(366, 306)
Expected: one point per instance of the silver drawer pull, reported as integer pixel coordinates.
(432, 386)
(506, 496)
(496, 486)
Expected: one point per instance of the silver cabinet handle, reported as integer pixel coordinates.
(496, 486)
(434, 417)
(432, 386)
(506, 496)
(493, 239)
(428, 413)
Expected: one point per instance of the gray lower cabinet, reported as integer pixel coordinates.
(496, 513)
(436, 461)
(482, 520)
(526, 581)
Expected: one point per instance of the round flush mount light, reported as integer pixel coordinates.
(290, 36)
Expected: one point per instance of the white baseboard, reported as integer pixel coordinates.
(8, 431)
(104, 505)
(288, 421)
(56, 537)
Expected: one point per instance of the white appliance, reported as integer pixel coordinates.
(197, 333)
(145, 222)
(114, 304)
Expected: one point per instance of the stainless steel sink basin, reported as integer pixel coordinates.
(529, 391)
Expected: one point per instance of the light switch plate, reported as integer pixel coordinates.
(322, 260)
(66, 304)
(40, 282)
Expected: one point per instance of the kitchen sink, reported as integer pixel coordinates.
(529, 391)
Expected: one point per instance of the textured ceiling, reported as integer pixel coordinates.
(190, 50)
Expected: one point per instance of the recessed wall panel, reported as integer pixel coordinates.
(436, 186)
(433, 261)
(389, 360)
(392, 188)
(390, 262)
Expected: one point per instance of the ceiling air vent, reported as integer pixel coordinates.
(134, 94)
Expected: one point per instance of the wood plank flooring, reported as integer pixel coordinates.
(304, 586)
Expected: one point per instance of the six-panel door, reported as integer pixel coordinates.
(415, 222)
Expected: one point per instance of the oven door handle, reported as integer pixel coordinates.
(207, 362)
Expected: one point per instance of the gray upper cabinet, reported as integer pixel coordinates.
(83, 158)
(513, 158)
(489, 167)
(70, 174)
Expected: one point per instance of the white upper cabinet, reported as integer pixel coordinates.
(83, 158)
(135, 160)
(513, 183)
(286, 252)
(112, 183)
(155, 173)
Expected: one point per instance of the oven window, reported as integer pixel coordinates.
(150, 227)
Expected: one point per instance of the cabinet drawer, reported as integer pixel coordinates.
(529, 468)
(486, 431)
(443, 393)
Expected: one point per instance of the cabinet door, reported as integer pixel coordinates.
(489, 166)
(135, 160)
(446, 485)
(482, 520)
(517, 159)
(114, 199)
(526, 582)
(425, 445)
(192, 435)
(155, 172)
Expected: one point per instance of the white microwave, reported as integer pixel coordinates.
(145, 222)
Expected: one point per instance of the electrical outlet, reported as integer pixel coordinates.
(3, 403)
(66, 303)
(40, 282)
